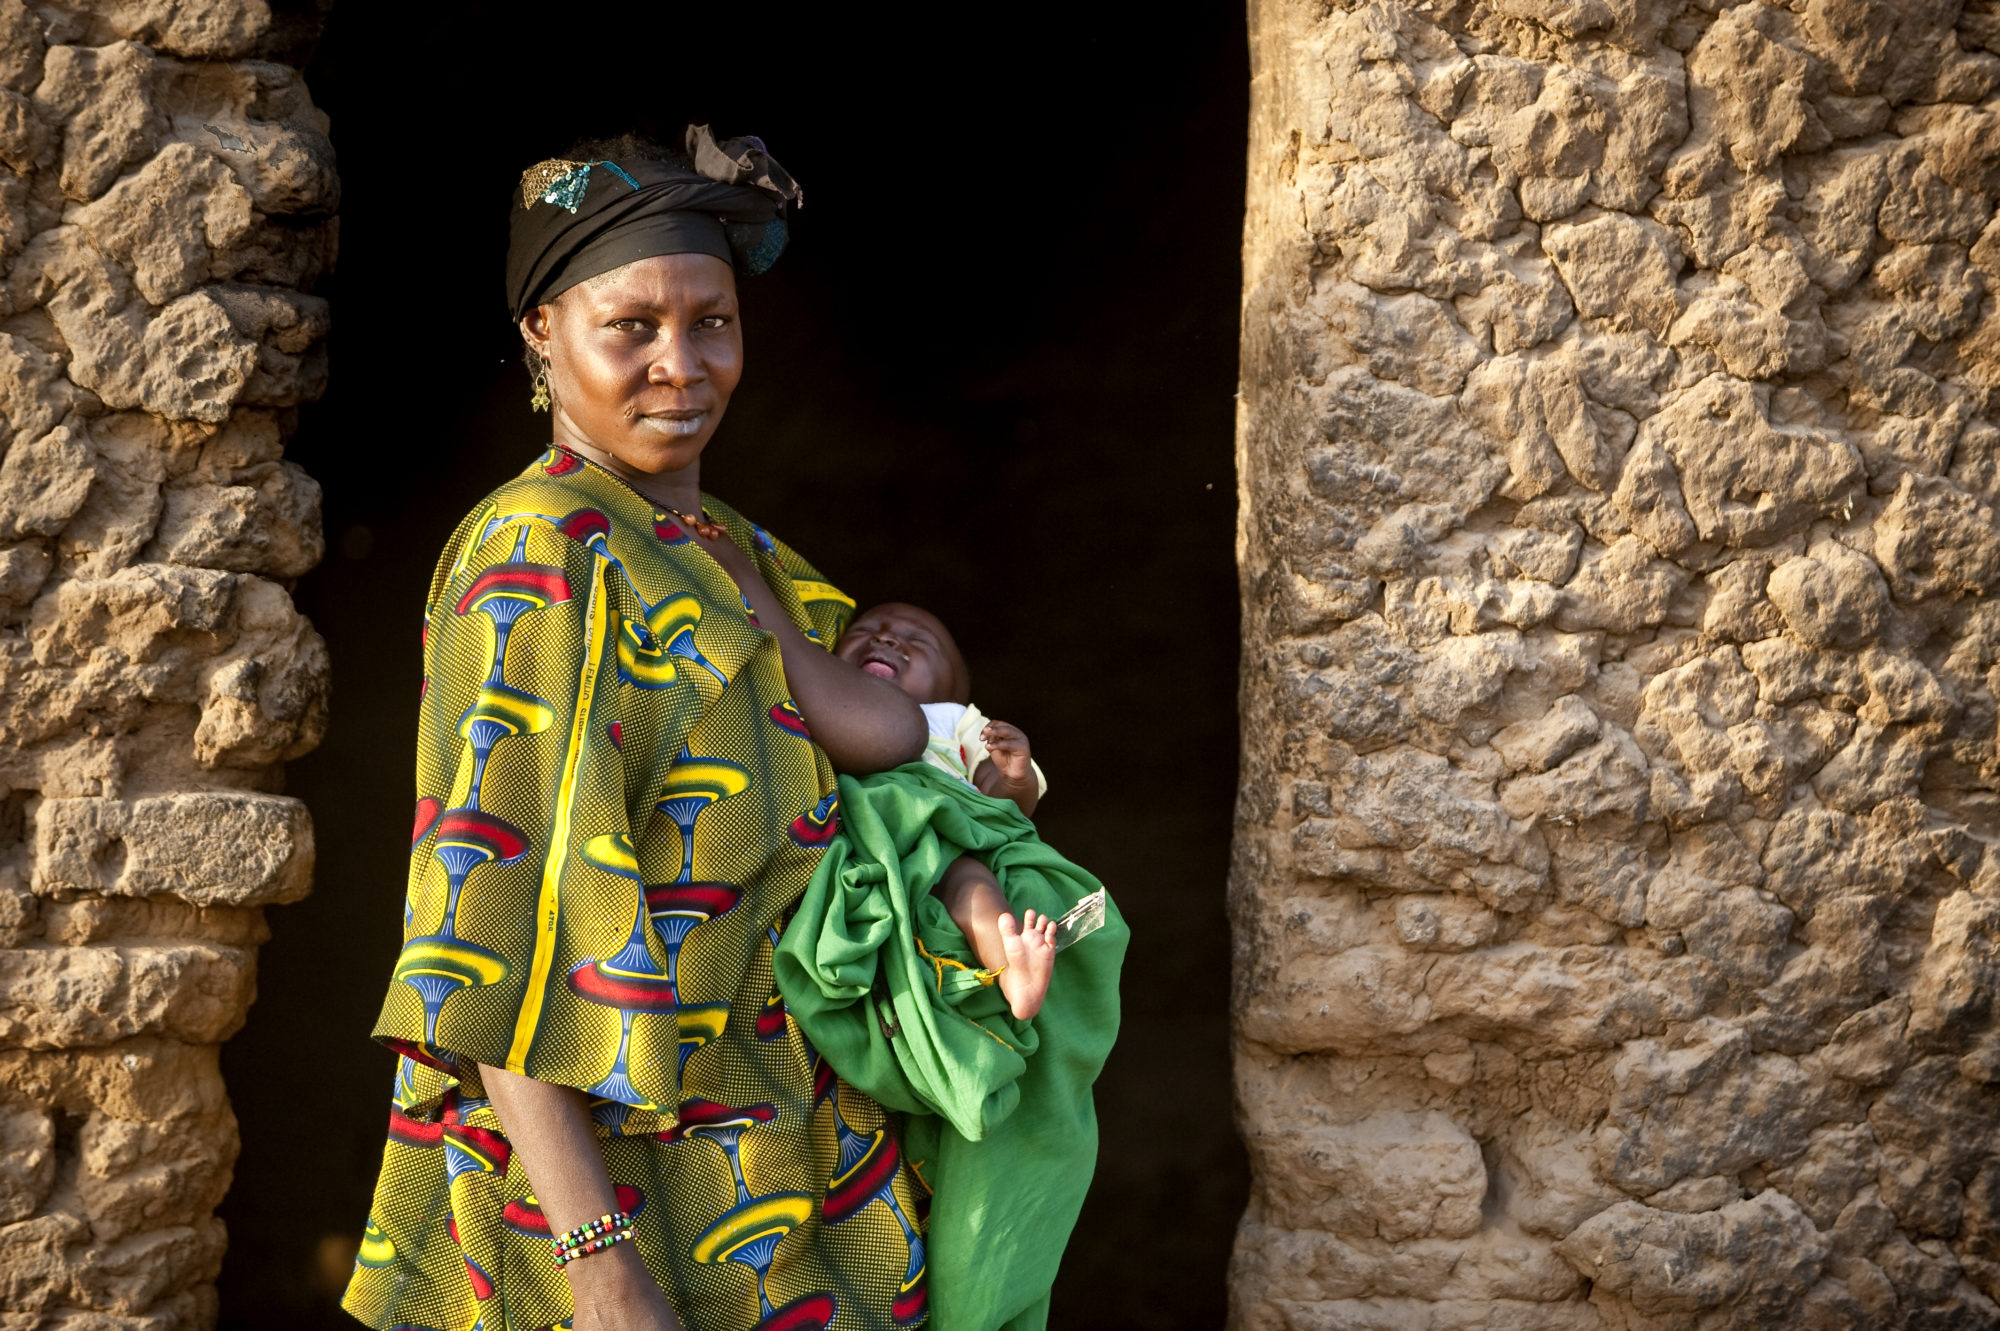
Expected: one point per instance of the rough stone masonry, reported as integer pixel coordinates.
(166, 204)
(1617, 881)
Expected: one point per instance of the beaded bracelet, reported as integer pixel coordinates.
(592, 1236)
(565, 1257)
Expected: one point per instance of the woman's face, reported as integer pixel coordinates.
(642, 360)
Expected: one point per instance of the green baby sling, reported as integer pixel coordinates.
(1001, 1123)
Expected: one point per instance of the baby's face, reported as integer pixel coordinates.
(907, 646)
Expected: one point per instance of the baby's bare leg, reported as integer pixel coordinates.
(1026, 949)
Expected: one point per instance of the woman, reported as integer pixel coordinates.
(618, 804)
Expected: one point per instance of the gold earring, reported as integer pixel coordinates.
(540, 401)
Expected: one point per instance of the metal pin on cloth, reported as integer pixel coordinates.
(1080, 921)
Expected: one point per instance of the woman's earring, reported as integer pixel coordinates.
(540, 401)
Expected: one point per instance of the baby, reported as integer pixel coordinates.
(910, 647)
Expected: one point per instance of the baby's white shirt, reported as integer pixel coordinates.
(955, 745)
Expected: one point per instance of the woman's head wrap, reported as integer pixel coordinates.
(580, 219)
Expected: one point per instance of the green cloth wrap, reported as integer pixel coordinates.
(1001, 1121)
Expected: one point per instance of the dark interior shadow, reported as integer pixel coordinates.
(993, 375)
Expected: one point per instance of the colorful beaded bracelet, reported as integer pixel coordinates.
(567, 1255)
(592, 1236)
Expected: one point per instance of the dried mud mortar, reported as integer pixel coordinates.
(166, 201)
(1617, 896)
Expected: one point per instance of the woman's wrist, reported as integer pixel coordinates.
(614, 1273)
(620, 1297)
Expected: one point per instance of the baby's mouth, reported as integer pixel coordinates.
(883, 665)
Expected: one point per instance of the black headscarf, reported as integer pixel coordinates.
(579, 219)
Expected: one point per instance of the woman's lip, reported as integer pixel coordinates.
(676, 424)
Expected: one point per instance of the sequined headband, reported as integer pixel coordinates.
(563, 182)
(727, 200)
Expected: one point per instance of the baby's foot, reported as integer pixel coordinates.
(1031, 959)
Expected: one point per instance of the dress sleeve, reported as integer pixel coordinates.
(526, 940)
(827, 609)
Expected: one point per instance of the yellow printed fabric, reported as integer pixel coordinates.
(618, 806)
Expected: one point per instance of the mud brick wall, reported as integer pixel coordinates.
(1616, 894)
(166, 205)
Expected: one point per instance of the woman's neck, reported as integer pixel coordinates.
(674, 489)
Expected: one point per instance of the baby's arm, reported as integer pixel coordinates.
(1008, 772)
(1024, 953)
(863, 724)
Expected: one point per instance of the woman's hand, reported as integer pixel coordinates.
(551, 1130)
(613, 1291)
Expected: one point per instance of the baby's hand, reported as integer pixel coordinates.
(1007, 772)
(1008, 748)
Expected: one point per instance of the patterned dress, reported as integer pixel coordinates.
(618, 805)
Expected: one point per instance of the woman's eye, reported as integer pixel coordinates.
(712, 321)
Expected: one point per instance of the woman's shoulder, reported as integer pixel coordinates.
(825, 604)
(557, 504)
(785, 555)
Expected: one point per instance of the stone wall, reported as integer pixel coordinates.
(165, 204)
(1617, 895)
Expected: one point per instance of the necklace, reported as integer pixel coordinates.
(704, 526)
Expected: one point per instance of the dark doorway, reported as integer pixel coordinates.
(993, 375)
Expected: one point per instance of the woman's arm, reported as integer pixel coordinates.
(864, 724)
(550, 1126)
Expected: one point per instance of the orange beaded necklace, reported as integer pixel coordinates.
(704, 526)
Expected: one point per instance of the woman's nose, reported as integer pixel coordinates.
(676, 363)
